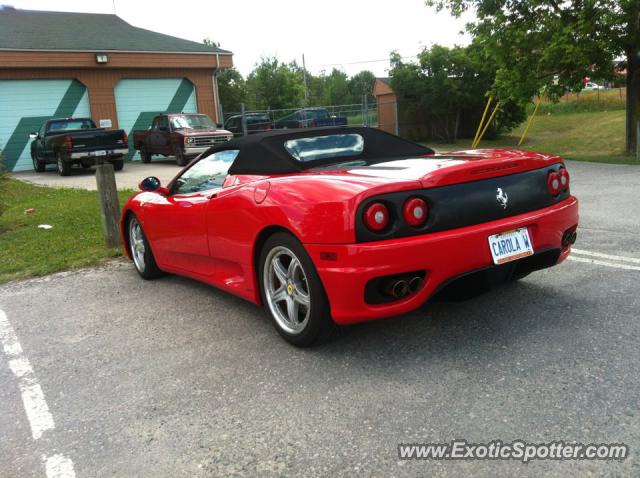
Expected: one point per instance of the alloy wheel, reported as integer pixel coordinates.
(287, 290)
(136, 244)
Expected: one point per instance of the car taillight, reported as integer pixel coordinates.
(415, 212)
(564, 179)
(376, 216)
(125, 138)
(267, 128)
(68, 142)
(553, 183)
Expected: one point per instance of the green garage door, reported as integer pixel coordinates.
(139, 100)
(26, 104)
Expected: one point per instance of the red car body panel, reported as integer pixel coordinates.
(214, 236)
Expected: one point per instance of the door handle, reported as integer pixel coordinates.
(212, 195)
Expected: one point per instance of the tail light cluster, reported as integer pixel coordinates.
(378, 218)
(558, 181)
(68, 142)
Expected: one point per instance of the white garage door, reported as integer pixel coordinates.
(139, 100)
(26, 104)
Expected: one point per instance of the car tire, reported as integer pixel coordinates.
(289, 284)
(145, 157)
(64, 167)
(38, 166)
(179, 155)
(140, 250)
(118, 164)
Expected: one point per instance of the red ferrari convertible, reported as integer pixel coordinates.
(340, 225)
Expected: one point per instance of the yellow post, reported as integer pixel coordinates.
(486, 108)
(486, 126)
(530, 122)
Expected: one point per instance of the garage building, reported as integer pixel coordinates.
(58, 64)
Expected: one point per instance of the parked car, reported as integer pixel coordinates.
(76, 141)
(182, 135)
(341, 225)
(310, 118)
(593, 86)
(256, 122)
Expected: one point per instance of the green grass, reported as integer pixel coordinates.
(75, 240)
(358, 119)
(594, 136)
(585, 102)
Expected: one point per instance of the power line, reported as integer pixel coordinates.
(361, 62)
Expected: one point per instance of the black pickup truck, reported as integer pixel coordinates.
(69, 141)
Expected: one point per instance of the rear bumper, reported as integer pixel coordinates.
(441, 255)
(93, 156)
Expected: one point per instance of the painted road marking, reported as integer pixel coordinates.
(633, 260)
(603, 263)
(59, 466)
(35, 406)
(622, 262)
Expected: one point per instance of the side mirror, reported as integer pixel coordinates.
(33, 135)
(149, 184)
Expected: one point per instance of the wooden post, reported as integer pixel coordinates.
(109, 206)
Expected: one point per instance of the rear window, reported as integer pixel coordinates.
(258, 119)
(67, 125)
(325, 147)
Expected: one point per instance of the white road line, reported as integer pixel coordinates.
(633, 260)
(35, 406)
(603, 263)
(59, 466)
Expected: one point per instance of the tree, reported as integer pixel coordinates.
(232, 89)
(448, 86)
(275, 85)
(361, 84)
(552, 45)
(336, 88)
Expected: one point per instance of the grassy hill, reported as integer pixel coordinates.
(588, 127)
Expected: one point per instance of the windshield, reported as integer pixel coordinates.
(208, 173)
(325, 147)
(192, 122)
(67, 125)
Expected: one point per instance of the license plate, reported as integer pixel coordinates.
(101, 153)
(510, 246)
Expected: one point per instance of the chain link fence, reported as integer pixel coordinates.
(245, 121)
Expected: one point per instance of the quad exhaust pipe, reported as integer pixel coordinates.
(400, 288)
(397, 288)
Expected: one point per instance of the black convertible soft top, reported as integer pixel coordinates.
(265, 153)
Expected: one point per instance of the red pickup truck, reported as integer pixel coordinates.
(182, 135)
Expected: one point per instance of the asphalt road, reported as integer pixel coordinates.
(163, 168)
(174, 378)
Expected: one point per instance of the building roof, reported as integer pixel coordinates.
(382, 86)
(39, 30)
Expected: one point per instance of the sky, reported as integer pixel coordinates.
(351, 35)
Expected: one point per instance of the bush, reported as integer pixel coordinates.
(443, 95)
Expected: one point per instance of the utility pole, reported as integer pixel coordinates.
(243, 119)
(304, 77)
